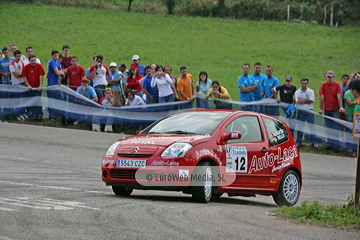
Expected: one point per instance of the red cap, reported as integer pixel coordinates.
(133, 66)
(85, 79)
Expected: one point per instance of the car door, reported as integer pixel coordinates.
(281, 150)
(245, 156)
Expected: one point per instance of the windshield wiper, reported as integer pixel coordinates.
(181, 132)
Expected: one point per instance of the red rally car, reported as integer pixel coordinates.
(207, 153)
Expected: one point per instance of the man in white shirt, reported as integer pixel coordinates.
(16, 66)
(100, 75)
(29, 52)
(305, 98)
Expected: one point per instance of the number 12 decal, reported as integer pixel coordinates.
(236, 159)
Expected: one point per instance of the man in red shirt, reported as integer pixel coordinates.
(65, 62)
(331, 105)
(33, 75)
(74, 74)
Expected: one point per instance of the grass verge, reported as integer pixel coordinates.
(340, 216)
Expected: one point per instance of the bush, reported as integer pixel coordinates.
(170, 4)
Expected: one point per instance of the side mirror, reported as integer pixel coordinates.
(231, 135)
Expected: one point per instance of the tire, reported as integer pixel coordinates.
(122, 191)
(216, 196)
(289, 189)
(203, 192)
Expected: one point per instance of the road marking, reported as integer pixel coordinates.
(5, 238)
(56, 187)
(8, 209)
(44, 204)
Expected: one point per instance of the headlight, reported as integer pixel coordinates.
(177, 150)
(111, 150)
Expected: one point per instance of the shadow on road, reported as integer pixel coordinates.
(187, 198)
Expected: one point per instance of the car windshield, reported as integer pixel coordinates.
(193, 123)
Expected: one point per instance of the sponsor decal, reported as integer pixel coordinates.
(271, 160)
(141, 142)
(283, 165)
(207, 152)
(236, 159)
(165, 163)
(277, 136)
(159, 137)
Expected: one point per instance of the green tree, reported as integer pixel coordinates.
(221, 7)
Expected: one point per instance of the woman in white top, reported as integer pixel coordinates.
(132, 99)
(164, 84)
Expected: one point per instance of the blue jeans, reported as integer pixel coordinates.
(100, 90)
(348, 131)
(246, 108)
(202, 103)
(169, 98)
(151, 101)
(186, 105)
(303, 116)
(271, 110)
(332, 139)
(229, 106)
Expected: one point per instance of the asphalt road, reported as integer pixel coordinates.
(51, 188)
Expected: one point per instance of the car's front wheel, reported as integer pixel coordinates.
(122, 191)
(289, 190)
(202, 188)
(216, 196)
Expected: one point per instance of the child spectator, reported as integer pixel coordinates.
(107, 101)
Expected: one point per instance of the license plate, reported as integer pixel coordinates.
(123, 163)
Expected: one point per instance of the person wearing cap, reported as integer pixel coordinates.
(115, 84)
(141, 68)
(247, 86)
(133, 80)
(75, 73)
(90, 93)
(100, 75)
(287, 93)
(86, 90)
(331, 105)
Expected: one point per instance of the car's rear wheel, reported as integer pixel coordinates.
(289, 190)
(202, 189)
(122, 191)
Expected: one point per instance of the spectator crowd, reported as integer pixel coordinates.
(117, 86)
